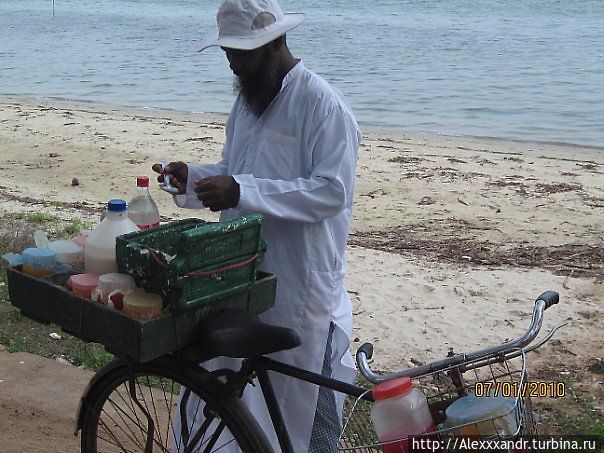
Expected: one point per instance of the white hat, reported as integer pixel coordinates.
(249, 24)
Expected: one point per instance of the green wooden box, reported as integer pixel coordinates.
(190, 262)
(48, 300)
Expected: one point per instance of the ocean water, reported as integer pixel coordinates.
(519, 69)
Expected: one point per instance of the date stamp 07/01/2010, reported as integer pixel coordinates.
(531, 389)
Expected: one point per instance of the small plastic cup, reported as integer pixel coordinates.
(68, 252)
(83, 284)
(142, 305)
(38, 262)
(111, 284)
(485, 416)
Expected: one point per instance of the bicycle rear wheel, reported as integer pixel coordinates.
(134, 407)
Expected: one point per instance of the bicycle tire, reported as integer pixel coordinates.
(113, 421)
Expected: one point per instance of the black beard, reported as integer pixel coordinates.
(260, 90)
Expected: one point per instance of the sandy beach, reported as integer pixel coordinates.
(452, 237)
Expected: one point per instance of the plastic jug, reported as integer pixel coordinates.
(486, 416)
(99, 251)
(399, 411)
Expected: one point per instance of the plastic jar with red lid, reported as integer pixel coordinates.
(399, 411)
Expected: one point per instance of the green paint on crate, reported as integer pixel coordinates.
(164, 259)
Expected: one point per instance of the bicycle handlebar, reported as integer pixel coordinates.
(550, 298)
(542, 303)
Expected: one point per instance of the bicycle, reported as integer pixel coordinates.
(130, 406)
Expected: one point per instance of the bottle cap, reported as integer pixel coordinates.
(392, 388)
(116, 205)
(142, 181)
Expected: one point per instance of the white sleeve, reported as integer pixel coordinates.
(195, 172)
(328, 189)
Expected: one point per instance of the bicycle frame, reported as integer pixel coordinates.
(260, 367)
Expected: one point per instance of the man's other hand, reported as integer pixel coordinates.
(218, 192)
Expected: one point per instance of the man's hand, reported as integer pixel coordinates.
(218, 192)
(178, 172)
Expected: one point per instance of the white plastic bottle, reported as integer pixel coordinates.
(99, 249)
(142, 210)
(399, 411)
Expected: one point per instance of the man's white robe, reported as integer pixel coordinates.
(295, 164)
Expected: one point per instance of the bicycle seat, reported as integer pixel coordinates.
(235, 333)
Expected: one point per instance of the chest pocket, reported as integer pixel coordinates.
(275, 157)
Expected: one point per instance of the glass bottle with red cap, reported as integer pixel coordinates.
(398, 412)
(142, 209)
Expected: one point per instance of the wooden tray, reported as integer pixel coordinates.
(47, 300)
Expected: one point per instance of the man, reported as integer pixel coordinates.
(290, 154)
